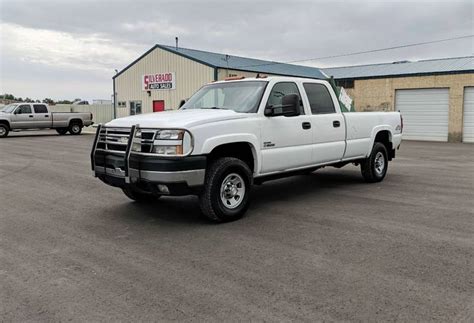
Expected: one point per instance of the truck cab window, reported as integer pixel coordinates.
(40, 108)
(280, 90)
(319, 98)
(23, 109)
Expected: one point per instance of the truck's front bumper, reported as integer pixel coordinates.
(145, 171)
(171, 176)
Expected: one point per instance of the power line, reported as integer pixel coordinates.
(362, 52)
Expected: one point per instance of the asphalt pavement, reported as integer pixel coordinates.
(321, 247)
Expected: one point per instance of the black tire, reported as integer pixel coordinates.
(4, 130)
(75, 128)
(62, 131)
(138, 196)
(238, 181)
(372, 168)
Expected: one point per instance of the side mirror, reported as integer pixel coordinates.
(17, 111)
(289, 107)
(183, 101)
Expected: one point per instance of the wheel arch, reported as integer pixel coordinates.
(383, 135)
(7, 123)
(242, 147)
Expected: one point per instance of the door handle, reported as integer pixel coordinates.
(336, 124)
(46, 116)
(31, 116)
(306, 125)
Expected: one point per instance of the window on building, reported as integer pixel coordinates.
(347, 84)
(122, 104)
(135, 107)
(40, 108)
(319, 98)
(280, 90)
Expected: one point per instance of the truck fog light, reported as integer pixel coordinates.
(163, 189)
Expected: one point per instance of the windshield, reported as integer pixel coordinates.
(238, 96)
(9, 108)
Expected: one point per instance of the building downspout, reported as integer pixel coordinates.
(115, 98)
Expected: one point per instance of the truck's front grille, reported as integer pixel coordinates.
(116, 139)
(113, 139)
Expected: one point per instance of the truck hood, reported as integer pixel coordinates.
(177, 118)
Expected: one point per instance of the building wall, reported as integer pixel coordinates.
(190, 76)
(379, 95)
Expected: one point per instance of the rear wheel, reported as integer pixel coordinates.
(374, 168)
(226, 191)
(138, 196)
(4, 130)
(75, 129)
(62, 131)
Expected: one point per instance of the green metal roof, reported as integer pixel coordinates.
(226, 61)
(404, 68)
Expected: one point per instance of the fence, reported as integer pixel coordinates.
(102, 113)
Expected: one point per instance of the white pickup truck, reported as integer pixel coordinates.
(27, 116)
(235, 133)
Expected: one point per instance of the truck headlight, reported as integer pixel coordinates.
(163, 142)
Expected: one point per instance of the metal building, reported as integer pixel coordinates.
(435, 97)
(164, 75)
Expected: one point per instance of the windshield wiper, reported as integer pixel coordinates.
(214, 108)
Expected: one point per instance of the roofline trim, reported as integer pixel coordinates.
(163, 48)
(404, 75)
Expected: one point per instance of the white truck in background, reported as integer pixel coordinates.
(234, 133)
(35, 116)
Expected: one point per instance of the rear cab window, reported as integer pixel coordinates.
(40, 108)
(319, 98)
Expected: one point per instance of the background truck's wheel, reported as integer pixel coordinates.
(226, 190)
(138, 196)
(374, 168)
(62, 131)
(75, 129)
(4, 130)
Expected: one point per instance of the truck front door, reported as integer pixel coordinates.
(22, 117)
(286, 141)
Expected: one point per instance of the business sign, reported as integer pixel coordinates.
(159, 81)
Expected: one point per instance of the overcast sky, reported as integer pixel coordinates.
(65, 49)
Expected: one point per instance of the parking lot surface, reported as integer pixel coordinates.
(326, 246)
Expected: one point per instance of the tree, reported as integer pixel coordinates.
(48, 101)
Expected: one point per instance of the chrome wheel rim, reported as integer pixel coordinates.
(75, 128)
(2, 131)
(379, 163)
(232, 191)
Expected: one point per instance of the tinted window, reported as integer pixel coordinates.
(40, 108)
(23, 109)
(282, 89)
(319, 98)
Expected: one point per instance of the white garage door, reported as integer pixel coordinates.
(468, 117)
(425, 113)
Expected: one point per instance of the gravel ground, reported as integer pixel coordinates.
(322, 247)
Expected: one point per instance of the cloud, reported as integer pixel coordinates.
(92, 37)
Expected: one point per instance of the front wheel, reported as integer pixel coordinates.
(4, 130)
(374, 168)
(225, 196)
(138, 196)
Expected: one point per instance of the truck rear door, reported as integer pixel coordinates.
(329, 129)
(41, 116)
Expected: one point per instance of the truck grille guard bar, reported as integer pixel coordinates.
(128, 149)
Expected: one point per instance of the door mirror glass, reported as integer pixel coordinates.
(290, 107)
(183, 101)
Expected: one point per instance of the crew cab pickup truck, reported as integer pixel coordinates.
(235, 133)
(27, 116)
